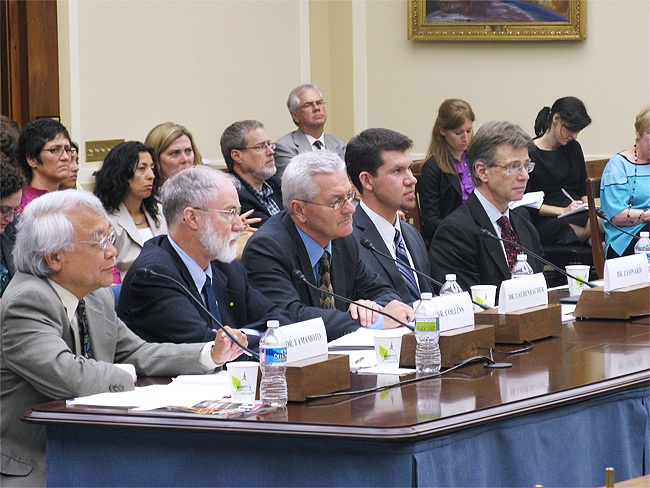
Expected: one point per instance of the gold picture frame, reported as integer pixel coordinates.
(497, 20)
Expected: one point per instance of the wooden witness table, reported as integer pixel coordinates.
(572, 406)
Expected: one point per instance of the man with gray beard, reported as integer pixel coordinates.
(249, 156)
(202, 211)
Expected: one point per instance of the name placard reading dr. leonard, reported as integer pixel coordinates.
(520, 293)
(626, 271)
(305, 339)
(456, 311)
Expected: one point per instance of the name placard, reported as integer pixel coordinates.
(305, 339)
(520, 293)
(626, 271)
(456, 311)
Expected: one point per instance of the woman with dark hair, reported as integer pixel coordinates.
(560, 173)
(127, 185)
(71, 181)
(11, 192)
(446, 181)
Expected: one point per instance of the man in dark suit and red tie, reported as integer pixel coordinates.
(499, 161)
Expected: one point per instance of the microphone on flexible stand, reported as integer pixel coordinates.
(601, 214)
(298, 275)
(487, 233)
(371, 247)
(147, 273)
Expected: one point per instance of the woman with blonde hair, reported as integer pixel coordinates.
(446, 181)
(174, 148)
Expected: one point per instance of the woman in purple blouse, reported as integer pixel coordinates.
(446, 181)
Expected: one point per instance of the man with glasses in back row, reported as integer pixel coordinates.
(499, 161)
(313, 236)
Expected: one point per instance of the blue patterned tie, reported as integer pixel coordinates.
(84, 335)
(211, 298)
(407, 274)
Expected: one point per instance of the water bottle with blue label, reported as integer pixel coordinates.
(273, 362)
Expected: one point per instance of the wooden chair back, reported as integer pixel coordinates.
(595, 167)
(597, 243)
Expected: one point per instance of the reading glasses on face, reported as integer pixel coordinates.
(337, 204)
(230, 214)
(58, 150)
(102, 243)
(260, 147)
(7, 211)
(311, 105)
(515, 169)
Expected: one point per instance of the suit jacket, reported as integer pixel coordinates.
(39, 363)
(157, 310)
(440, 195)
(249, 201)
(128, 240)
(458, 248)
(274, 251)
(296, 142)
(384, 267)
(8, 241)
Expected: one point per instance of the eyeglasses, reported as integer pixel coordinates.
(260, 147)
(7, 211)
(230, 214)
(56, 151)
(337, 204)
(102, 243)
(515, 169)
(311, 105)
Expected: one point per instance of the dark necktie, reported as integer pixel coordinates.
(84, 336)
(509, 234)
(318, 144)
(211, 299)
(402, 259)
(325, 281)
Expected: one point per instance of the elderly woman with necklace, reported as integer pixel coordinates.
(625, 191)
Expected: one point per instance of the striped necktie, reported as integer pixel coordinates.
(402, 262)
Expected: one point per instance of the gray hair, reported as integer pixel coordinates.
(45, 228)
(234, 137)
(298, 177)
(293, 102)
(485, 142)
(191, 187)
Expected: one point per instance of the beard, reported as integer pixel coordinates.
(265, 173)
(219, 248)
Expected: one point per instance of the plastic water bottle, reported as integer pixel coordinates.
(522, 268)
(642, 246)
(450, 287)
(427, 335)
(273, 361)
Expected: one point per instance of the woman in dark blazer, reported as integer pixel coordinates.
(446, 181)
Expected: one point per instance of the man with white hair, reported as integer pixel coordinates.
(313, 235)
(307, 109)
(201, 208)
(61, 337)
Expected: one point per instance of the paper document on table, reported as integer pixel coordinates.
(533, 199)
(363, 337)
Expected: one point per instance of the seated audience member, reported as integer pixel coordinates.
(379, 164)
(9, 134)
(248, 153)
(201, 207)
(61, 337)
(446, 179)
(625, 191)
(560, 172)
(173, 147)
(127, 185)
(11, 191)
(307, 109)
(71, 181)
(498, 157)
(313, 235)
(44, 156)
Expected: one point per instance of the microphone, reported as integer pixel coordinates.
(487, 233)
(371, 247)
(147, 273)
(601, 214)
(298, 275)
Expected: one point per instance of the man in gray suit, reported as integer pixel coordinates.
(379, 164)
(61, 337)
(307, 109)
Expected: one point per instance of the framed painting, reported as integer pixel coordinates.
(497, 20)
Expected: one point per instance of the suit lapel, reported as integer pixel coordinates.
(492, 246)
(454, 181)
(301, 141)
(223, 292)
(302, 258)
(128, 225)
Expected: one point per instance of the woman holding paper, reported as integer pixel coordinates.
(560, 173)
(625, 191)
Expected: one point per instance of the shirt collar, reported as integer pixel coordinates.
(69, 300)
(198, 274)
(314, 249)
(313, 139)
(492, 212)
(384, 227)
